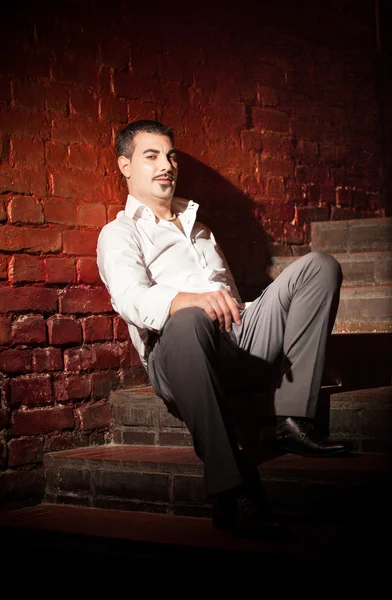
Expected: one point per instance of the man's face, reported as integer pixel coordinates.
(152, 171)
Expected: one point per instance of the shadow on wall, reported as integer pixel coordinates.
(230, 214)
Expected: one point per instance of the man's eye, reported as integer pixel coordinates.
(151, 156)
(173, 157)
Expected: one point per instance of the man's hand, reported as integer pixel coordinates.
(219, 306)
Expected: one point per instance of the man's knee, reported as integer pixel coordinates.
(328, 269)
(190, 321)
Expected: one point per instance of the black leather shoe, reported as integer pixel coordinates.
(242, 513)
(298, 436)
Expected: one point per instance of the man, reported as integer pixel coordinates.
(169, 280)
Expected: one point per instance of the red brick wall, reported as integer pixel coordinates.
(276, 116)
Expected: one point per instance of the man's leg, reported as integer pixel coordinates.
(290, 322)
(183, 369)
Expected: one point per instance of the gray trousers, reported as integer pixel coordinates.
(282, 339)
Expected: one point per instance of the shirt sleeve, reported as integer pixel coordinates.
(134, 296)
(229, 279)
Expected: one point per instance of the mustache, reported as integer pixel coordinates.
(167, 175)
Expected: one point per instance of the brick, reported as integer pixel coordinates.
(3, 212)
(26, 151)
(29, 94)
(15, 361)
(95, 416)
(91, 215)
(3, 267)
(72, 387)
(27, 298)
(80, 242)
(76, 129)
(5, 330)
(84, 102)
(31, 390)
(64, 330)
(266, 96)
(22, 209)
(293, 234)
(57, 98)
(24, 122)
(55, 153)
(76, 70)
(132, 86)
(141, 110)
(306, 214)
(4, 390)
(344, 213)
(60, 211)
(20, 484)
(105, 81)
(343, 197)
(25, 268)
(121, 332)
(60, 270)
(110, 355)
(276, 167)
(44, 239)
(83, 157)
(275, 188)
(29, 329)
(24, 451)
(114, 53)
(47, 359)
(251, 140)
(30, 181)
(103, 383)
(88, 271)
(84, 299)
(268, 119)
(140, 486)
(75, 184)
(68, 479)
(21, 59)
(42, 420)
(114, 109)
(79, 359)
(66, 440)
(97, 328)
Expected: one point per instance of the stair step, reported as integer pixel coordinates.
(357, 235)
(365, 309)
(364, 416)
(170, 480)
(106, 539)
(370, 268)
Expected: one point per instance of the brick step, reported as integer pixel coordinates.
(111, 539)
(169, 480)
(357, 235)
(364, 417)
(365, 309)
(364, 268)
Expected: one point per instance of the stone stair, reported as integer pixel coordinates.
(151, 470)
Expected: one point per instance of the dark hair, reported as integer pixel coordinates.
(125, 137)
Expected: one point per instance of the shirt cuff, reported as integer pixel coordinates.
(154, 307)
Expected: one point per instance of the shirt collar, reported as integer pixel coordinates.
(135, 208)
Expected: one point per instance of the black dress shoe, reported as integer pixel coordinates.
(242, 513)
(298, 436)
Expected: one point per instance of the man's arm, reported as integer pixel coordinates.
(121, 266)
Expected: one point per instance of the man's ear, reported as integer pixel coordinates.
(124, 164)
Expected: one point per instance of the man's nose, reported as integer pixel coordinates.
(165, 164)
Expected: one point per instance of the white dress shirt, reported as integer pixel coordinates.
(145, 263)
